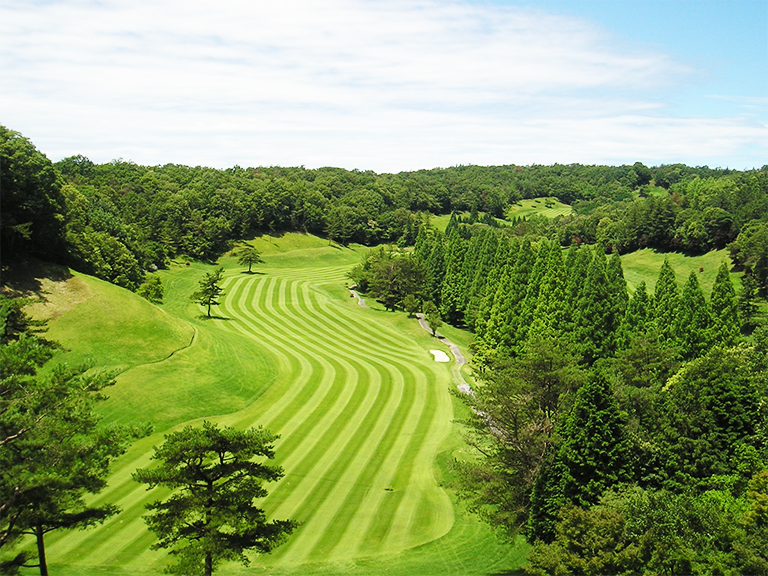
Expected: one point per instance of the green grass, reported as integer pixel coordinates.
(364, 413)
(644, 265)
(547, 207)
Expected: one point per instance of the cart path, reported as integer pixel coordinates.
(461, 383)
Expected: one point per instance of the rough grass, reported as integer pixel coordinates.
(364, 414)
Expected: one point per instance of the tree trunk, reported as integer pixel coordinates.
(249, 267)
(208, 564)
(209, 309)
(39, 535)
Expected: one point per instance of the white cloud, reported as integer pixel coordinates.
(352, 83)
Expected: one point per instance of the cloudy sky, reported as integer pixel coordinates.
(388, 85)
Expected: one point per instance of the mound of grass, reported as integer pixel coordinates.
(113, 327)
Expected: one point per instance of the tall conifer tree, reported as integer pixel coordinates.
(453, 288)
(530, 301)
(725, 309)
(503, 262)
(551, 312)
(482, 268)
(435, 268)
(507, 307)
(635, 318)
(618, 285)
(577, 272)
(665, 302)
(595, 447)
(596, 319)
(693, 320)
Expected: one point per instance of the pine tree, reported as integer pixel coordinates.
(596, 319)
(528, 304)
(725, 309)
(595, 448)
(693, 321)
(577, 272)
(635, 318)
(453, 288)
(618, 285)
(551, 312)
(665, 302)
(435, 268)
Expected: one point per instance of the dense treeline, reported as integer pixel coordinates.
(119, 220)
(596, 408)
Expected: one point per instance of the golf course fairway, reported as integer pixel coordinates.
(364, 413)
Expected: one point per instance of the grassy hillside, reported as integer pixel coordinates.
(364, 413)
(547, 207)
(644, 265)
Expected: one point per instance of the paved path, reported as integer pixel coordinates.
(360, 299)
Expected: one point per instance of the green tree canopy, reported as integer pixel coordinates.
(216, 474)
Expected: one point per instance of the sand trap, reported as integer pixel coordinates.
(440, 356)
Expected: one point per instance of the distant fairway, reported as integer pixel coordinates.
(547, 207)
(364, 413)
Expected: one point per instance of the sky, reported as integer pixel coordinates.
(389, 85)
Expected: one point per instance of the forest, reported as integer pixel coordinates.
(616, 431)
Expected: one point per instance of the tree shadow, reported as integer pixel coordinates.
(23, 277)
(252, 273)
(214, 317)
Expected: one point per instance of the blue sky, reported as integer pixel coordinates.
(389, 85)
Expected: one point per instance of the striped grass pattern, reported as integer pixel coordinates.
(361, 410)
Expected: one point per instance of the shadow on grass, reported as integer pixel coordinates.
(252, 273)
(22, 277)
(214, 317)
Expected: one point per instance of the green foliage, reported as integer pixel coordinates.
(514, 416)
(593, 455)
(432, 316)
(725, 309)
(33, 206)
(693, 322)
(152, 289)
(665, 302)
(410, 304)
(597, 312)
(211, 516)
(209, 289)
(634, 531)
(52, 450)
(390, 276)
(712, 420)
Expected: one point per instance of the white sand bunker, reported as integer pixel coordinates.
(440, 356)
